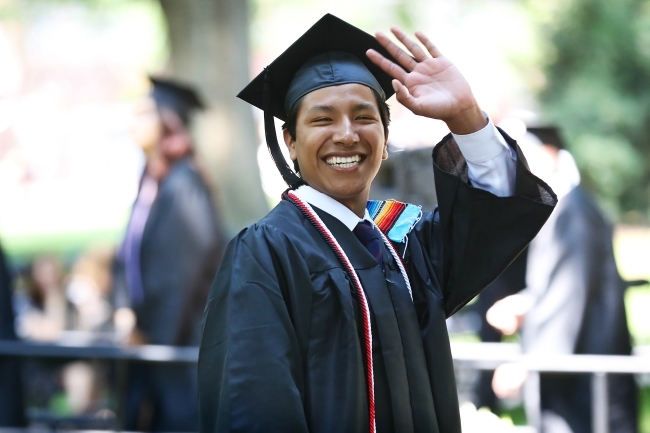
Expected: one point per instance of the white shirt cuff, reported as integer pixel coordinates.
(482, 145)
(491, 163)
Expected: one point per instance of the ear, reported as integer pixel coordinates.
(384, 154)
(291, 144)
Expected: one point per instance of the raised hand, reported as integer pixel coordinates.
(429, 86)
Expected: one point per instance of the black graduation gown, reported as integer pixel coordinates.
(11, 396)
(179, 241)
(281, 348)
(579, 307)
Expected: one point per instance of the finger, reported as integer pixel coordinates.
(386, 65)
(410, 44)
(433, 50)
(406, 61)
(404, 97)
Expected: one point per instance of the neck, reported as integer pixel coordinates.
(356, 205)
(356, 202)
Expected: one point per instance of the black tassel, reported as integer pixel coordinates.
(289, 176)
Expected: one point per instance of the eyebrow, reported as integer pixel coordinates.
(365, 106)
(328, 108)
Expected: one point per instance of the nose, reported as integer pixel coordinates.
(345, 134)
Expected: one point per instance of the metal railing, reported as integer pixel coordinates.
(150, 353)
(107, 350)
(488, 356)
(480, 356)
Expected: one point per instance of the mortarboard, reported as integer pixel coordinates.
(332, 52)
(180, 98)
(549, 135)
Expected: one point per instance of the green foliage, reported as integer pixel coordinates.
(598, 91)
(610, 165)
(59, 405)
(515, 414)
(637, 303)
(644, 406)
(404, 14)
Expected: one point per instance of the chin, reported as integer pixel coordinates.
(345, 192)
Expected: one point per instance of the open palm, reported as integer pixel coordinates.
(429, 86)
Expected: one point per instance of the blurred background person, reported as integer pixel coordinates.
(171, 243)
(85, 383)
(89, 290)
(573, 302)
(11, 401)
(42, 314)
(42, 310)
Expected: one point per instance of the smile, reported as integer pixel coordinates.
(343, 161)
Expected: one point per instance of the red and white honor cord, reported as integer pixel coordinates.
(363, 302)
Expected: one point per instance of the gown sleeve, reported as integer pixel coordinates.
(250, 366)
(474, 235)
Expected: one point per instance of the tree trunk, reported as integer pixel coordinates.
(209, 49)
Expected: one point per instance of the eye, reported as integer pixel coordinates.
(321, 120)
(366, 117)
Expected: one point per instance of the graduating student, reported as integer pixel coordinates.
(172, 237)
(329, 313)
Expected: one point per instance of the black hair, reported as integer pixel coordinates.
(292, 117)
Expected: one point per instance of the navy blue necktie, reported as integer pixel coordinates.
(368, 236)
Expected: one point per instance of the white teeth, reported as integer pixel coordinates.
(344, 162)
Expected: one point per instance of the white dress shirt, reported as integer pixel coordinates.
(491, 165)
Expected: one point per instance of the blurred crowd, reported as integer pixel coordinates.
(53, 302)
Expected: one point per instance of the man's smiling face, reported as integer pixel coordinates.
(339, 142)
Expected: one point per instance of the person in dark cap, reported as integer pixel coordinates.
(329, 313)
(173, 238)
(573, 302)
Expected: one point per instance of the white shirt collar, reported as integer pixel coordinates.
(331, 206)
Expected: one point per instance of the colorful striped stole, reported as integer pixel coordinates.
(394, 218)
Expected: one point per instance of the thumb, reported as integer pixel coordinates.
(403, 96)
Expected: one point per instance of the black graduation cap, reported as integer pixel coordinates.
(549, 135)
(332, 52)
(180, 98)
